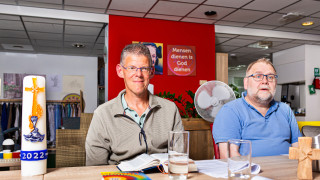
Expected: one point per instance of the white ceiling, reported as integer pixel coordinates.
(55, 35)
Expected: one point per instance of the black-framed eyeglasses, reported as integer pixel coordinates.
(259, 77)
(133, 69)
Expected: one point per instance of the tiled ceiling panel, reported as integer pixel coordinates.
(45, 36)
(229, 23)
(273, 19)
(9, 17)
(14, 41)
(44, 1)
(227, 3)
(84, 9)
(49, 43)
(50, 35)
(238, 42)
(289, 29)
(189, 1)
(298, 24)
(43, 20)
(157, 16)
(13, 25)
(100, 4)
(79, 38)
(82, 30)
(13, 34)
(269, 5)
(221, 12)
(259, 26)
(132, 5)
(203, 21)
(245, 16)
(81, 23)
(44, 27)
(172, 8)
(306, 7)
(220, 40)
(40, 5)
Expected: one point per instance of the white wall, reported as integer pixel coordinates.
(289, 65)
(297, 65)
(55, 64)
(312, 101)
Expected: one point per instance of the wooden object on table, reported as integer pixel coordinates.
(305, 154)
(70, 143)
(200, 140)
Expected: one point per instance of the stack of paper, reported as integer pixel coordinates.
(219, 169)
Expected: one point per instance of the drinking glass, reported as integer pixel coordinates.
(178, 150)
(239, 159)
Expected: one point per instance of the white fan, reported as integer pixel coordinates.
(210, 97)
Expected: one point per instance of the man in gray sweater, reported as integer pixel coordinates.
(134, 122)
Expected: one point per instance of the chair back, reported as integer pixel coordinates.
(70, 144)
(215, 146)
(200, 141)
(310, 131)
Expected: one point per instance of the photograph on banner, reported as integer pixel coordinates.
(156, 51)
(181, 60)
(13, 84)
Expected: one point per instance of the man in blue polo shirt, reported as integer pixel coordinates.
(270, 125)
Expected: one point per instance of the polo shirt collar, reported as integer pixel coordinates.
(273, 105)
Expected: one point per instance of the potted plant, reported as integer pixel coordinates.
(186, 108)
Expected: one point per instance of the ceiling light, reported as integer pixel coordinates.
(210, 13)
(17, 47)
(78, 45)
(241, 66)
(307, 23)
(291, 16)
(261, 44)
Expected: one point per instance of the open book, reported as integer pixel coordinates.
(145, 161)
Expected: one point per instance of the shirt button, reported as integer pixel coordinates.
(136, 115)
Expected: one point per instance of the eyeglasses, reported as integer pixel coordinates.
(259, 77)
(133, 69)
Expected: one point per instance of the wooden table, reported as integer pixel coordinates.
(274, 167)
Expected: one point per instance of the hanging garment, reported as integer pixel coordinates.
(57, 115)
(76, 110)
(52, 125)
(10, 116)
(69, 110)
(16, 122)
(79, 110)
(0, 112)
(4, 117)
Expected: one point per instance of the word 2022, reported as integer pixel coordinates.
(34, 155)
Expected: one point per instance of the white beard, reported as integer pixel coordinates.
(260, 98)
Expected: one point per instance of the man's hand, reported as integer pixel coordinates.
(223, 148)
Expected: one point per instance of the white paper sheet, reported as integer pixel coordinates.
(219, 169)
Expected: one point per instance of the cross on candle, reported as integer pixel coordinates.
(305, 154)
(36, 108)
(37, 111)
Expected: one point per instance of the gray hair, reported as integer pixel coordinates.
(135, 49)
(261, 60)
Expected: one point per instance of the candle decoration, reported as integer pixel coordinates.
(34, 146)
